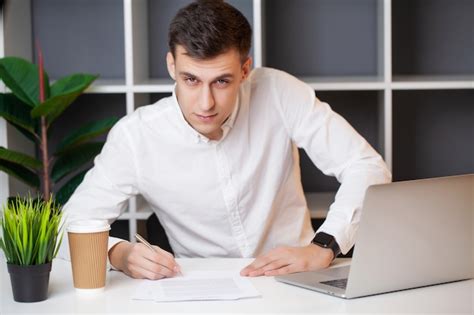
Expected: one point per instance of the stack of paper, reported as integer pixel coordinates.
(197, 286)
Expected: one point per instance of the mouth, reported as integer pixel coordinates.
(206, 118)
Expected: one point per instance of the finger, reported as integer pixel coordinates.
(157, 254)
(177, 267)
(143, 273)
(283, 270)
(256, 272)
(160, 258)
(258, 263)
(161, 250)
(269, 257)
(156, 268)
(277, 264)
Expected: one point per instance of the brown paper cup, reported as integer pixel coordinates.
(88, 242)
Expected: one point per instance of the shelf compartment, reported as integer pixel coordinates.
(80, 36)
(144, 99)
(87, 108)
(319, 203)
(432, 133)
(121, 229)
(362, 109)
(432, 37)
(160, 13)
(323, 38)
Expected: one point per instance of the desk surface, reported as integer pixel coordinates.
(276, 297)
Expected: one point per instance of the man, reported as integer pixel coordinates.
(218, 160)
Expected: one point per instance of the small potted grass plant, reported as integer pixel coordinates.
(31, 236)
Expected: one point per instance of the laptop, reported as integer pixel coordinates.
(411, 234)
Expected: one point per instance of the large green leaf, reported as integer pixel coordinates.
(85, 133)
(63, 93)
(75, 158)
(16, 112)
(19, 158)
(20, 172)
(68, 189)
(25, 132)
(22, 78)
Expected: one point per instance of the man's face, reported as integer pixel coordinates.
(207, 89)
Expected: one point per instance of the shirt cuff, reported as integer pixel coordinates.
(340, 230)
(112, 242)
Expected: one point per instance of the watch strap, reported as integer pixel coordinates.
(325, 240)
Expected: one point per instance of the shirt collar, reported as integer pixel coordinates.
(198, 137)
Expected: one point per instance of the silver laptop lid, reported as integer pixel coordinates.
(412, 234)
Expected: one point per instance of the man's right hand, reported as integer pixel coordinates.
(138, 261)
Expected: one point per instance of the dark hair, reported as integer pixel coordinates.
(207, 28)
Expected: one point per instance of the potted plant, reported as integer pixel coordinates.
(32, 107)
(31, 236)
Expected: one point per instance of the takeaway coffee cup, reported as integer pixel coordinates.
(88, 240)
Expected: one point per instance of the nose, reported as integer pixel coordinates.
(207, 99)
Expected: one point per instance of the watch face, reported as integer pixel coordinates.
(323, 239)
(328, 241)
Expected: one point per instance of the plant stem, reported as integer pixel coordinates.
(44, 130)
(45, 158)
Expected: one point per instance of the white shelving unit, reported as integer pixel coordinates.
(351, 52)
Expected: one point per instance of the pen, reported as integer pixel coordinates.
(145, 242)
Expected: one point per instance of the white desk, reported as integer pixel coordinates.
(276, 297)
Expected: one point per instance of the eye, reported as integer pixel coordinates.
(190, 80)
(222, 82)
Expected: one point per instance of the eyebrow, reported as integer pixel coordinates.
(222, 76)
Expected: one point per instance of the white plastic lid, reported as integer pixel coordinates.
(88, 226)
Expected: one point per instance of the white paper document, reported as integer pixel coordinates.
(197, 286)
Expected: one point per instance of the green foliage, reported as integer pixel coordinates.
(74, 158)
(85, 133)
(19, 171)
(23, 110)
(20, 158)
(67, 189)
(17, 113)
(63, 93)
(21, 77)
(31, 231)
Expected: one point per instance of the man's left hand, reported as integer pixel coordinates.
(283, 260)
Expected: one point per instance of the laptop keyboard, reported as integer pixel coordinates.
(339, 283)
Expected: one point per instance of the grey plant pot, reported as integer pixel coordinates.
(30, 283)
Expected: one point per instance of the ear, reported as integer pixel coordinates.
(170, 65)
(246, 67)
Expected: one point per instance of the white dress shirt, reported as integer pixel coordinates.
(242, 195)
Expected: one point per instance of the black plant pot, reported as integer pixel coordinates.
(29, 283)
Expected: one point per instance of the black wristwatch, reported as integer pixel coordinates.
(327, 241)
